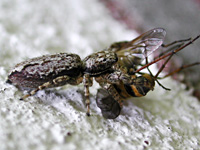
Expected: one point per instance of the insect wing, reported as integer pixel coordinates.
(110, 108)
(140, 47)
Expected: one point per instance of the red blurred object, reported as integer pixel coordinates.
(197, 1)
(120, 12)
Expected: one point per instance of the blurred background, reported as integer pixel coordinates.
(180, 18)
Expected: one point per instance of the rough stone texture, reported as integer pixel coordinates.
(55, 119)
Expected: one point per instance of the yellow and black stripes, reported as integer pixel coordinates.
(140, 87)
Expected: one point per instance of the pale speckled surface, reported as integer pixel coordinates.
(55, 119)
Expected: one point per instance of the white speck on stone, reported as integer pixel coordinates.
(56, 133)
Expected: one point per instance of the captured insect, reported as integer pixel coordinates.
(115, 69)
(130, 55)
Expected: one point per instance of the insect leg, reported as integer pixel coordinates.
(180, 69)
(171, 46)
(175, 42)
(54, 83)
(155, 77)
(169, 54)
(112, 91)
(87, 81)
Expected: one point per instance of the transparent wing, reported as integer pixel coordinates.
(136, 50)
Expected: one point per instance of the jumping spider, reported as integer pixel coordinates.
(115, 69)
